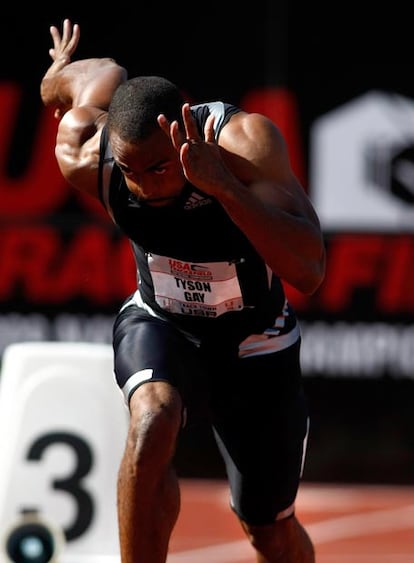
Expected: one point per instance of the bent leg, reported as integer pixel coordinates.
(148, 490)
(261, 428)
(285, 541)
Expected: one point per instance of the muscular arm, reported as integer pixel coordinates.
(249, 173)
(264, 198)
(80, 93)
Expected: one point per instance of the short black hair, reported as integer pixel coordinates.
(136, 104)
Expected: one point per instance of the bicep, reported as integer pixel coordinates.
(77, 147)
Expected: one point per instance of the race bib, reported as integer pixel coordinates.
(206, 289)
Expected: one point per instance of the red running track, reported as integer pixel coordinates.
(348, 524)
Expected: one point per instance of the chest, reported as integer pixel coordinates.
(194, 228)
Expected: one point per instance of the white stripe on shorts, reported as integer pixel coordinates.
(136, 379)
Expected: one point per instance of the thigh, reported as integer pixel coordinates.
(148, 349)
(260, 425)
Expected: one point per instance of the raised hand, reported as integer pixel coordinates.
(64, 45)
(200, 157)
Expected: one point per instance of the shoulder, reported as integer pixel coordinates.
(78, 146)
(82, 122)
(255, 131)
(254, 148)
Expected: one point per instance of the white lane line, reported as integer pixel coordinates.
(321, 532)
(357, 525)
(325, 531)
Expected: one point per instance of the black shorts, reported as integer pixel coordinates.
(255, 405)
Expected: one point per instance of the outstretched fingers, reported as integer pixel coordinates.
(191, 135)
(64, 44)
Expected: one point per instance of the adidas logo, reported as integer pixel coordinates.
(196, 200)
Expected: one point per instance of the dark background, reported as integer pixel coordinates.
(362, 430)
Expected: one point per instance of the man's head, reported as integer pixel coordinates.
(145, 154)
(136, 104)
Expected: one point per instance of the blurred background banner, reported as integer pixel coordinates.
(342, 91)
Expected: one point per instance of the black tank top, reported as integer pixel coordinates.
(195, 267)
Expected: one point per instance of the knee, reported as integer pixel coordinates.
(283, 540)
(265, 538)
(155, 420)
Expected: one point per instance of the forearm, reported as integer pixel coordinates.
(84, 82)
(291, 245)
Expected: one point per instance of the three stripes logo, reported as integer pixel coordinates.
(196, 200)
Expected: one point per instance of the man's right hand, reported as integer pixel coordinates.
(64, 45)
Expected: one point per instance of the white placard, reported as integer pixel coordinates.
(63, 425)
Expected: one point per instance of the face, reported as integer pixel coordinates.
(151, 168)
